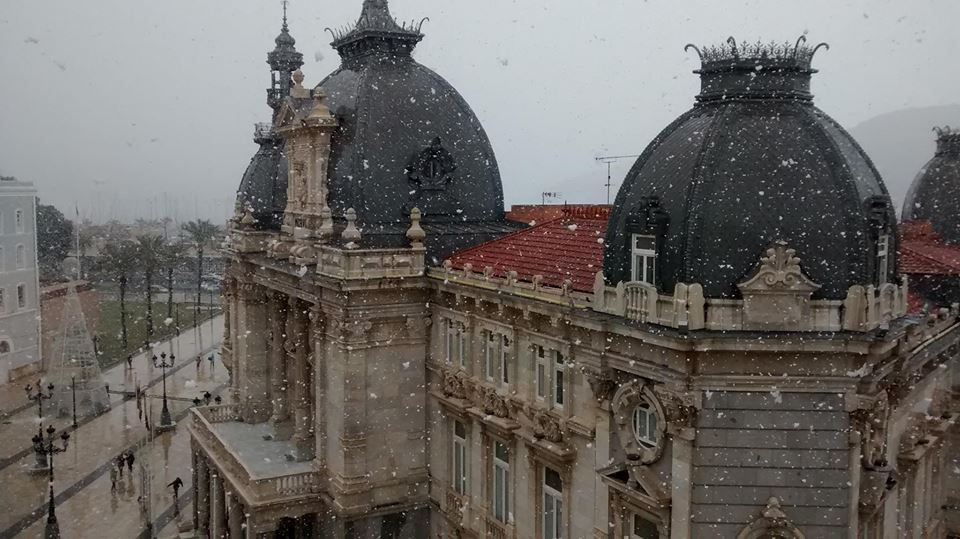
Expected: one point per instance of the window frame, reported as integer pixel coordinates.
(462, 344)
(505, 349)
(632, 517)
(489, 357)
(460, 447)
(645, 414)
(541, 378)
(552, 514)
(558, 379)
(9, 346)
(18, 221)
(647, 258)
(3, 300)
(448, 339)
(20, 256)
(500, 482)
(22, 296)
(883, 257)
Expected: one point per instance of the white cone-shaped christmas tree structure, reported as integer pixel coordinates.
(77, 365)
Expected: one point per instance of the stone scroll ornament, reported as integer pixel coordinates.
(432, 168)
(624, 403)
(871, 423)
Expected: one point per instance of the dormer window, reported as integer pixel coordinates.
(883, 258)
(644, 259)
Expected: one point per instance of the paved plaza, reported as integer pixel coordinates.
(87, 505)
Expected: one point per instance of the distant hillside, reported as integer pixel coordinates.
(901, 142)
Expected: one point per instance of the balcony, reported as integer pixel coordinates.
(498, 530)
(256, 467)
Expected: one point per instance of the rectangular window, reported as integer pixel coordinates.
(19, 221)
(2, 310)
(505, 360)
(552, 505)
(21, 257)
(558, 394)
(501, 482)
(643, 528)
(490, 355)
(448, 340)
(541, 375)
(883, 258)
(462, 345)
(644, 259)
(459, 458)
(22, 295)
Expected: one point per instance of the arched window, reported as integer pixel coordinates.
(19, 221)
(645, 424)
(4, 347)
(21, 256)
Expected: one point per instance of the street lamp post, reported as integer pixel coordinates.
(166, 422)
(44, 446)
(73, 391)
(39, 397)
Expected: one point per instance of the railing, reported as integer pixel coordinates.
(496, 529)
(370, 263)
(262, 130)
(454, 504)
(261, 489)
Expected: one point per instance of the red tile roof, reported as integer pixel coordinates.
(923, 251)
(566, 248)
(541, 213)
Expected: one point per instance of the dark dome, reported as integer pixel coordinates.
(935, 193)
(752, 163)
(263, 188)
(406, 137)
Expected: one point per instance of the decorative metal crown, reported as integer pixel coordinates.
(798, 55)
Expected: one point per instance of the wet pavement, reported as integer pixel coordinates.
(87, 505)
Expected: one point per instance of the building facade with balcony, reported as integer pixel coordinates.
(19, 281)
(727, 352)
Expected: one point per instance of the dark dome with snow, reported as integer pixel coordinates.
(406, 137)
(935, 193)
(752, 163)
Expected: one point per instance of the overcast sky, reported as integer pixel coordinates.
(144, 107)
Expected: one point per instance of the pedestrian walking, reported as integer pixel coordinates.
(199, 361)
(129, 361)
(119, 463)
(113, 479)
(176, 484)
(130, 460)
(210, 358)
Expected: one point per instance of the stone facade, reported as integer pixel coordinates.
(361, 379)
(19, 281)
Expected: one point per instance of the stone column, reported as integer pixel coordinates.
(218, 518)
(202, 501)
(318, 350)
(303, 391)
(278, 367)
(681, 481)
(235, 516)
(251, 354)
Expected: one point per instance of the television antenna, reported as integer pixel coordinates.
(609, 160)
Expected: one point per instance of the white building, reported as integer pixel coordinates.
(19, 281)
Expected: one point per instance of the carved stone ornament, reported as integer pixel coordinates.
(491, 402)
(777, 296)
(773, 522)
(547, 427)
(624, 403)
(871, 424)
(601, 383)
(679, 410)
(452, 384)
(432, 168)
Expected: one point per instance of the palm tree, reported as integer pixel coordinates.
(201, 232)
(118, 260)
(150, 248)
(172, 255)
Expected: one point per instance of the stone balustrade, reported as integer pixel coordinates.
(864, 309)
(497, 529)
(255, 489)
(370, 263)
(564, 295)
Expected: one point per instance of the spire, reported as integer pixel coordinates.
(283, 61)
(376, 31)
